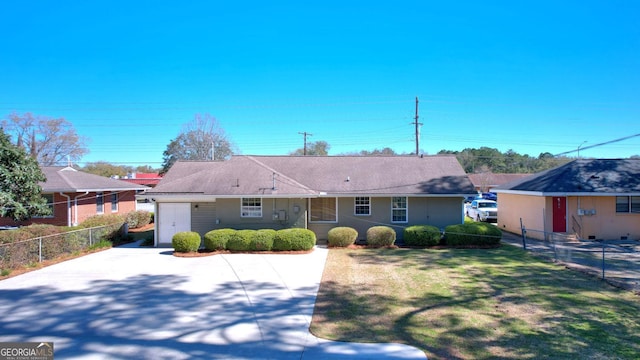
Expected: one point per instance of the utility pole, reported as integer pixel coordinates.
(417, 130)
(305, 134)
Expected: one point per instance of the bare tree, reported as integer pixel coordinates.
(49, 141)
(201, 139)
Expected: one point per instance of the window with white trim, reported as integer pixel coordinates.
(114, 202)
(323, 209)
(628, 204)
(251, 207)
(362, 205)
(399, 209)
(100, 203)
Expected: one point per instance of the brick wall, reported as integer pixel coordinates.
(86, 207)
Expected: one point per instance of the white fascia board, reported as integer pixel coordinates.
(563, 194)
(396, 195)
(178, 198)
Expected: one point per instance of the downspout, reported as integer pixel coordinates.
(75, 205)
(68, 208)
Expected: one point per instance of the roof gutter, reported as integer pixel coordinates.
(68, 208)
(75, 206)
(544, 193)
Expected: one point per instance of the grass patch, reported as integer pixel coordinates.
(474, 304)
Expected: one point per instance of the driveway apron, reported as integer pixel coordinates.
(144, 303)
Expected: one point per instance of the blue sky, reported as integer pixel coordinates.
(538, 76)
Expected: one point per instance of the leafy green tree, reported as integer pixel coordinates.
(201, 139)
(317, 148)
(106, 169)
(20, 194)
(146, 169)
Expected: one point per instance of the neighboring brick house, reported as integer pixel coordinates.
(75, 195)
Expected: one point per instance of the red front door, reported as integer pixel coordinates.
(559, 214)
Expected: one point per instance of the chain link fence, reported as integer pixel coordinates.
(28, 252)
(615, 261)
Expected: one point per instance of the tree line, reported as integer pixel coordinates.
(486, 159)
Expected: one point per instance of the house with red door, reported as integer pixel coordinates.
(585, 198)
(73, 196)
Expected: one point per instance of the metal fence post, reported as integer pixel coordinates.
(553, 244)
(603, 258)
(524, 235)
(40, 249)
(90, 240)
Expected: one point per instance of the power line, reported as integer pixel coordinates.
(597, 145)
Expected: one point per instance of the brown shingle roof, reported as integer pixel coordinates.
(491, 179)
(312, 175)
(66, 179)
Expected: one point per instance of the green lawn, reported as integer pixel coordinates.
(474, 304)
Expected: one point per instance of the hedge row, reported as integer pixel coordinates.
(472, 234)
(294, 239)
(422, 235)
(468, 234)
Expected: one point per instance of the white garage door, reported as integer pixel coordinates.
(172, 218)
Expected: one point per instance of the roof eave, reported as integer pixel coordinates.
(564, 193)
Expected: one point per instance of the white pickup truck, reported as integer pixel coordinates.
(483, 210)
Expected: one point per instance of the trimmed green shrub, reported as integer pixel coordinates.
(378, 236)
(138, 219)
(102, 220)
(241, 240)
(421, 235)
(217, 239)
(262, 240)
(342, 236)
(294, 239)
(472, 234)
(186, 241)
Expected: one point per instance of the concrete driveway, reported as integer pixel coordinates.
(144, 303)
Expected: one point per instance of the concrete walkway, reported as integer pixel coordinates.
(144, 303)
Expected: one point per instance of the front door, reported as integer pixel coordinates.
(172, 218)
(559, 214)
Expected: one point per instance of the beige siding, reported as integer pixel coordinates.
(605, 223)
(531, 209)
